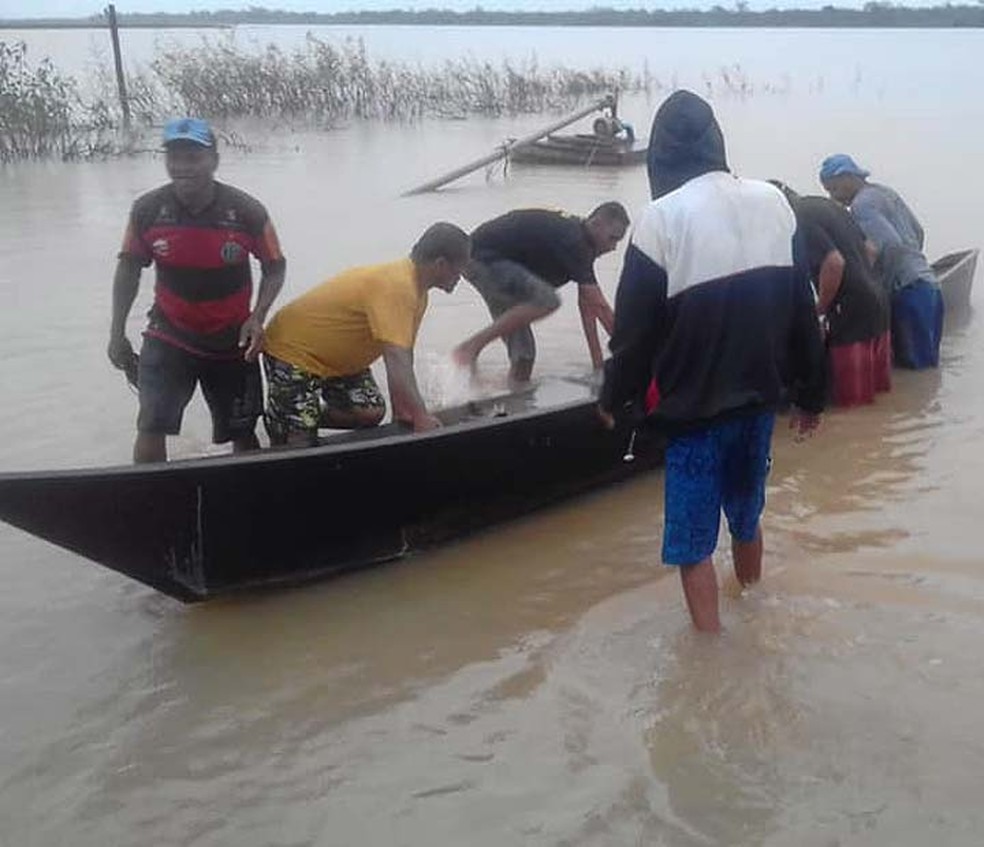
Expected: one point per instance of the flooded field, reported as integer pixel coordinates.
(537, 684)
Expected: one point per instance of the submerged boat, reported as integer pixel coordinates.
(583, 150)
(955, 272)
(611, 143)
(197, 528)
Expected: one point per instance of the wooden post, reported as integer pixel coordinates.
(118, 59)
(606, 103)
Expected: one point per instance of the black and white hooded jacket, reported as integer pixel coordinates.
(714, 310)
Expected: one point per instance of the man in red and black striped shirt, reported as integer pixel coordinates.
(199, 233)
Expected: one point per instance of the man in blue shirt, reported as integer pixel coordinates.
(897, 240)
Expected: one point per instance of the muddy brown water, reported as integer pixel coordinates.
(536, 684)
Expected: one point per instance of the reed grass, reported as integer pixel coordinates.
(325, 84)
(321, 84)
(42, 114)
(36, 106)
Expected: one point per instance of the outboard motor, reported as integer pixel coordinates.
(610, 127)
(606, 126)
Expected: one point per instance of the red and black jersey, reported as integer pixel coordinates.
(204, 286)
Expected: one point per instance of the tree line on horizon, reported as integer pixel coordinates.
(872, 14)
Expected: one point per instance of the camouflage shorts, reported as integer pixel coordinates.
(298, 401)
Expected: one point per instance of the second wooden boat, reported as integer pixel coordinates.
(585, 150)
(955, 273)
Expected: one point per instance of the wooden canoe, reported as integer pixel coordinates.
(585, 150)
(955, 273)
(197, 528)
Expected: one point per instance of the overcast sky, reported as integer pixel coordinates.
(75, 8)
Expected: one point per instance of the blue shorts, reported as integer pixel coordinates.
(724, 466)
(917, 325)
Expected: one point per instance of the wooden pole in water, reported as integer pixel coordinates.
(118, 59)
(608, 102)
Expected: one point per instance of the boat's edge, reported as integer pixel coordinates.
(270, 455)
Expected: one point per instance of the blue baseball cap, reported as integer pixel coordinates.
(840, 164)
(194, 130)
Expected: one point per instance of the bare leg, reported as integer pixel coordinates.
(700, 589)
(149, 447)
(297, 438)
(246, 444)
(336, 419)
(748, 559)
(355, 418)
(520, 315)
(521, 370)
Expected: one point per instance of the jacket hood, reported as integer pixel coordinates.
(685, 142)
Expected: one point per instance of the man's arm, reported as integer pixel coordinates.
(126, 282)
(808, 388)
(408, 405)
(640, 309)
(871, 251)
(831, 277)
(878, 229)
(920, 233)
(594, 309)
(273, 270)
(271, 282)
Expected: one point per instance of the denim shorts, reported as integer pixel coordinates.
(504, 284)
(167, 378)
(917, 325)
(721, 467)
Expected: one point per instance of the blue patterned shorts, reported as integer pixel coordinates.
(722, 467)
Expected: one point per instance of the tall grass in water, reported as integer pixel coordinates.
(324, 83)
(42, 113)
(36, 106)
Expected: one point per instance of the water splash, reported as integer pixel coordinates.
(444, 383)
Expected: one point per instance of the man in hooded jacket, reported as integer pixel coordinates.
(715, 328)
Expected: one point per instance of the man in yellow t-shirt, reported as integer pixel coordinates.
(319, 347)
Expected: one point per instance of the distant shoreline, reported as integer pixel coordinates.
(178, 22)
(874, 15)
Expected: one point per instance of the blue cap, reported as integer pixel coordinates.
(840, 164)
(194, 130)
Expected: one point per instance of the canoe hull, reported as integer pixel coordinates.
(197, 529)
(955, 273)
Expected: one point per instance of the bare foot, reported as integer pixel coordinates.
(732, 587)
(518, 384)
